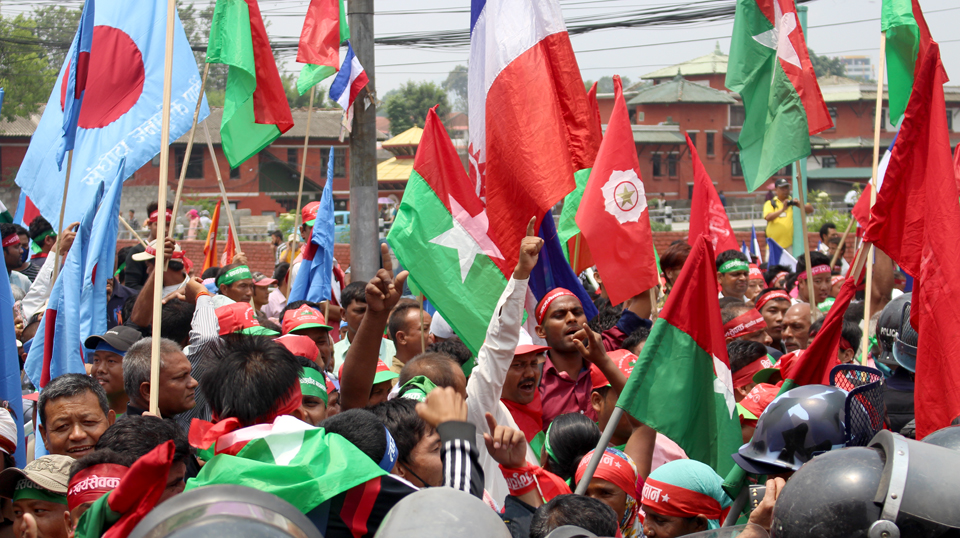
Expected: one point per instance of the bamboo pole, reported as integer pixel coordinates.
(223, 190)
(63, 208)
(423, 337)
(303, 170)
(134, 232)
(868, 294)
(162, 206)
(811, 294)
(576, 253)
(843, 240)
(189, 150)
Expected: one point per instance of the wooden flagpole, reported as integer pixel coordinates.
(843, 240)
(189, 150)
(811, 294)
(159, 263)
(134, 232)
(423, 337)
(303, 170)
(63, 208)
(868, 293)
(223, 190)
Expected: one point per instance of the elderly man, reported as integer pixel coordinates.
(176, 391)
(107, 363)
(74, 412)
(796, 327)
(39, 495)
(235, 284)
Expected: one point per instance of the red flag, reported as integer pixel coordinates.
(861, 210)
(320, 37)
(140, 489)
(229, 250)
(956, 165)
(580, 257)
(210, 247)
(915, 223)
(707, 216)
(613, 215)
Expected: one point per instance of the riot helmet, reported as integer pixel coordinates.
(888, 328)
(948, 437)
(441, 513)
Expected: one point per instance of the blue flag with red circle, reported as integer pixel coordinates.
(118, 127)
(76, 80)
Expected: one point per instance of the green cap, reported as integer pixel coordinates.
(417, 388)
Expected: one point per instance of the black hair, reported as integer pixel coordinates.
(727, 301)
(572, 435)
(816, 258)
(851, 333)
(577, 510)
(362, 428)
(355, 291)
(730, 311)
(607, 316)
(297, 304)
(635, 338)
(407, 428)
(211, 272)
(137, 435)
(38, 226)
(280, 271)
(675, 256)
(249, 376)
(825, 229)
(177, 318)
(99, 457)
(7, 228)
(731, 254)
(398, 318)
(121, 259)
(773, 271)
(454, 347)
(743, 352)
(854, 312)
(437, 367)
(68, 386)
(152, 206)
(127, 308)
(306, 363)
(277, 233)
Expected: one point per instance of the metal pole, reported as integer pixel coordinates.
(601, 447)
(364, 229)
(63, 208)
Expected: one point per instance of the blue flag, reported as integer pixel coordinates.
(746, 250)
(77, 69)
(10, 366)
(1, 98)
(553, 271)
(316, 271)
(755, 245)
(119, 126)
(779, 256)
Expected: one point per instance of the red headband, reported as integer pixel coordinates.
(749, 322)
(772, 296)
(177, 254)
(836, 279)
(780, 275)
(155, 215)
(669, 500)
(755, 273)
(203, 433)
(844, 345)
(12, 239)
(549, 298)
(817, 270)
(744, 376)
(94, 482)
(614, 469)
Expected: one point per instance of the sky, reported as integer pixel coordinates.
(835, 28)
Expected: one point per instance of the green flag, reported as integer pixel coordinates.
(451, 258)
(255, 108)
(681, 384)
(907, 33)
(770, 68)
(567, 229)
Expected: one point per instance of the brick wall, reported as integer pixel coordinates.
(662, 241)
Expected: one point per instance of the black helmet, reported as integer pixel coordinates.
(895, 488)
(441, 513)
(217, 511)
(905, 344)
(888, 328)
(948, 437)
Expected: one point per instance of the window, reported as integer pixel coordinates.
(833, 115)
(737, 115)
(672, 165)
(235, 172)
(828, 161)
(693, 137)
(735, 169)
(657, 168)
(339, 162)
(884, 119)
(950, 112)
(195, 167)
(710, 147)
(785, 171)
(292, 156)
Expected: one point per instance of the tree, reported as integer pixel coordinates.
(303, 101)
(825, 66)
(55, 28)
(196, 25)
(458, 82)
(25, 72)
(409, 106)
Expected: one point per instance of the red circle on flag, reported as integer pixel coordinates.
(115, 78)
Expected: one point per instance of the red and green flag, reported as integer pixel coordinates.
(770, 68)
(324, 28)
(907, 38)
(255, 109)
(442, 236)
(681, 385)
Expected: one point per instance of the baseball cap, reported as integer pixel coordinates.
(50, 473)
(120, 338)
(305, 317)
(150, 252)
(308, 215)
(383, 373)
(756, 401)
(525, 344)
(781, 182)
(439, 327)
(260, 279)
(299, 345)
(240, 318)
(625, 362)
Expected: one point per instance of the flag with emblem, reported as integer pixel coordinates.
(443, 237)
(613, 216)
(771, 70)
(707, 215)
(681, 385)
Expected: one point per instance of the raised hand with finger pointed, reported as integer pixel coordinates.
(529, 252)
(383, 292)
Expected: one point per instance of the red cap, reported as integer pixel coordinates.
(299, 345)
(624, 360)
(759, 398)
(239, 317)
(309, 213)
(304, 317)
(525, 344)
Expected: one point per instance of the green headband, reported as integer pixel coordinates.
(35, 243)
(730, 266)
(312, 383)
(546, 444)
(121, 268)
(28, 489)
(417, 388)
(240, 272)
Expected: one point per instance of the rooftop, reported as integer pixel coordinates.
(680, 90)
(714, 63)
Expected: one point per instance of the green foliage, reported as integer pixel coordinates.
(409, 106)
(303, 101)
(457, 82)
(825, 65)
(25, 70)
(822, 213)
(196, 25)
(55, 27)
(660, 227)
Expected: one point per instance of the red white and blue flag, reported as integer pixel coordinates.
(347, 85)
(76, 82)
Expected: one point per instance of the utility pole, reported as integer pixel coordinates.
(364, 226)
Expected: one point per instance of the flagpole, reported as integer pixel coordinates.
(877, 116)
(303, 170)
(63, 208)
(811, 295)
(423, 337)
(608, 432)
(134, 232)
(159, 262)
(189, 150)
(576, 253)
(223, 191)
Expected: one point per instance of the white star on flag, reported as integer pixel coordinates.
(723, 383)
(666, 498)
(778, 37)
(468, 236)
